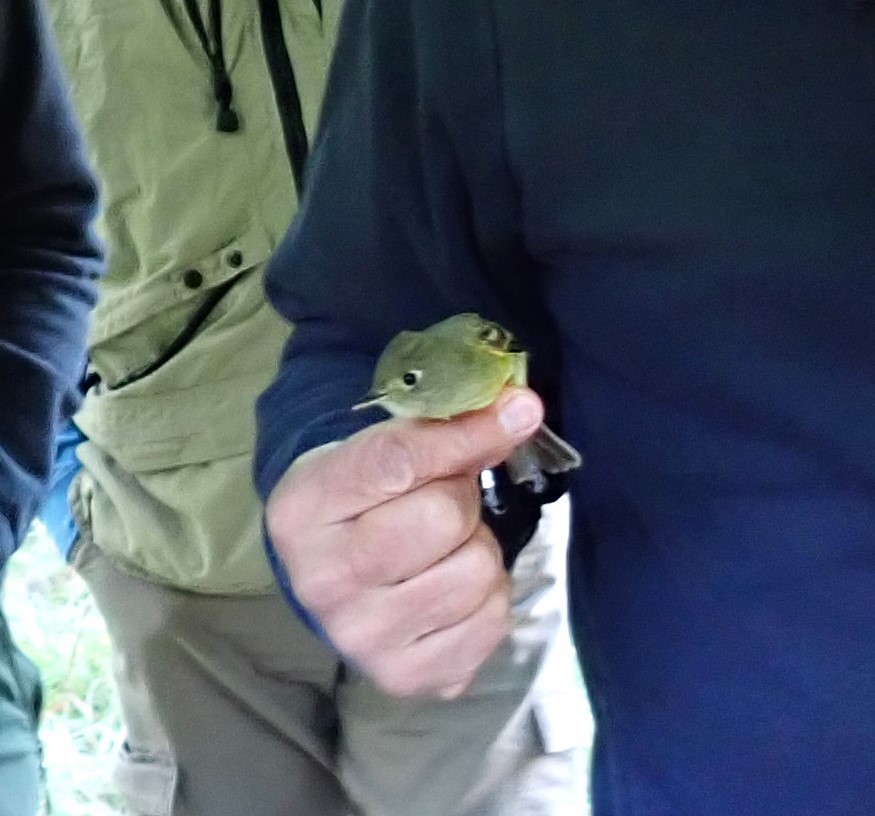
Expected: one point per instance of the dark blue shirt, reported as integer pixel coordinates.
(48, 262)
(673, 205)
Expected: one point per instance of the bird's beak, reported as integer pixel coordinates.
(513, 347)
(369, 400)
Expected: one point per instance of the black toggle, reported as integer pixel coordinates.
(227, 120)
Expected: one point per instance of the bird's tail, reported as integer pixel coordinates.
(546, 452)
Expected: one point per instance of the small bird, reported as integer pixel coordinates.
(462, 364)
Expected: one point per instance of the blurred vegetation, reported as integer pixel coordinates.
(56, 623)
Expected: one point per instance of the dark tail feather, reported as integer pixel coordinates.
(555, 455)
(545, 452)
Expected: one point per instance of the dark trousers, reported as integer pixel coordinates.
(20, 703)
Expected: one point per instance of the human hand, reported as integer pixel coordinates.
(382, 538)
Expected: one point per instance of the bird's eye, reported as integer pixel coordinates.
(493, 335)
(410, 378)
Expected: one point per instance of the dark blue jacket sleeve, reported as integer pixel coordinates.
(351, 272)
(411, 215)
(48, 262)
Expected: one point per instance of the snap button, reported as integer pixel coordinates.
(234, 258)
(192, 278)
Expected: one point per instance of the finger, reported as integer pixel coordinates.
(330, 563)
(449, 658)
(387, 619)
(399, 539)
(455, 588)
(394, 457)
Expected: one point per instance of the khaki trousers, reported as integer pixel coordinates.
(233, 708)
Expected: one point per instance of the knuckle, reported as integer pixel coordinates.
(482, 560)
(457, 689)
(460, 684)
(485, 559)
(370, 556)
(442, 511)
(456, 507)
(355, 638)
(343, 636)
(395, 678)
(452, 594)
(497, 613)
(320, 585)
(442, 605)
(478, 651)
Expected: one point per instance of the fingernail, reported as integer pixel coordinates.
(519, 414)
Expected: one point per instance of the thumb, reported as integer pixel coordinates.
(398, 456)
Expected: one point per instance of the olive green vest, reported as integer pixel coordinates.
(190, 215)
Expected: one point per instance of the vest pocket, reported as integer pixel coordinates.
(147, 781)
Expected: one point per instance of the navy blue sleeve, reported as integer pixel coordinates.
(351, 271)
(410, 215)
(48, 262)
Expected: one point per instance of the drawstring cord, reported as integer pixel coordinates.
(227, 120)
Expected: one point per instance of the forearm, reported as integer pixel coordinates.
(48, 262)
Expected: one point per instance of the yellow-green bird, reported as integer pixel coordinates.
(462, 364)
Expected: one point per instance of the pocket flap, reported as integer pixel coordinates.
(199, 423)
(123, 307)
(146, 781)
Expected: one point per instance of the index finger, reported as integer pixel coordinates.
(397, 456)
